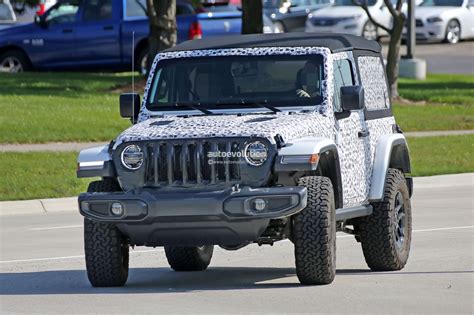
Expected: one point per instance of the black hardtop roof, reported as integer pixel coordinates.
(335, 42)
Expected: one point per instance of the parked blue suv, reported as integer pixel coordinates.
(90, 34)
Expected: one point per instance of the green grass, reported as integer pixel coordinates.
(60, 107)
(434, 117)
(49, 107)
(50, 175)
(39, 175)
(442, 155)
(440, 88)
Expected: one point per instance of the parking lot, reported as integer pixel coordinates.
(42, 269)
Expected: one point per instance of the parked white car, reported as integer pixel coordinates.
(445, 20)
(346, 17)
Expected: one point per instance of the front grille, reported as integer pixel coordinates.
(419, 23)
(191, 163)
(324, 21)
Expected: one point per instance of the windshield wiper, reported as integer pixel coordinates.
(194, 105)
(263, 103)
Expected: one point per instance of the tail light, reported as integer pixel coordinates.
(195, 31)
(41, 8)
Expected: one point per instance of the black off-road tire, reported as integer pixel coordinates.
(106, 250)
(377, 231)
(193, 258)
(314, 233)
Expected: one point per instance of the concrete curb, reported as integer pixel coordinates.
(45, 206)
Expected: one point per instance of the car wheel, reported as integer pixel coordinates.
(279, 27)
(193, 258)
(369, 31)
(314, 233)
(106, 250)
(14, 61)
(453, 32)
(385, 235)
(141, 62)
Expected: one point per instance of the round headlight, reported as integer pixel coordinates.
(132, 157)
(256, 153)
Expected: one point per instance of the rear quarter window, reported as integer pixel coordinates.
(373, 80)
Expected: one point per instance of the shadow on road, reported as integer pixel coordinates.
(164, 280)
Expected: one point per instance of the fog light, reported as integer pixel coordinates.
(259, 204)
(116, 209)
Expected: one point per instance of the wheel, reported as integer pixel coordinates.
(370, 31)
(453, 32)
(385, 235)
(14, 61)
(314, 233)
(194, 258)
(141, 62)
(279, 27)
(106, 250)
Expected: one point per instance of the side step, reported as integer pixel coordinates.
(351, 213)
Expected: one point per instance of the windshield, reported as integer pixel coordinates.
(270, 4)
(345, 3)
(442, 3)
(237, 81)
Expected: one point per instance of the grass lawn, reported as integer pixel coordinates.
(49, 175)
(39, 175)
(60, 107)
(442, 155)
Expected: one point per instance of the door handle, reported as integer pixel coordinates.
(67, 30)
(363, 133)
(108, 28)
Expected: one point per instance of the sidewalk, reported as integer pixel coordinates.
(78, 146)
(45, 206)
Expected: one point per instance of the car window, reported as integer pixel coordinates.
(6, 13)
(135, 8)
(98, 10)
(342, 71)
(218, 82)
(352, 3)
(184, 9)
(372, 76)
(442, 3)
(299, 3)
(65, 12)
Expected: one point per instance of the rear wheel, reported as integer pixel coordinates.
(141, 62)
(369, 31)
(314, 233)
(385, 235)
(193, 258)
(106, 250)
(14, 61)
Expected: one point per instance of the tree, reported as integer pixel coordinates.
(252, 20)
(162, 19)
(395, 33)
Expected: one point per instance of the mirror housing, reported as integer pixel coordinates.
(40, 20)
(352, 97)
(130, 106)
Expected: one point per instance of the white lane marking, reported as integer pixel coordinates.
(56, 227)
(72, 257)
(161, 249)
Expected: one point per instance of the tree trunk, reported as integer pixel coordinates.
(393, 56)
(162, 19)
(252, 20)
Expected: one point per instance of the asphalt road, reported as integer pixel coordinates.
(42, 270)
(444, 58)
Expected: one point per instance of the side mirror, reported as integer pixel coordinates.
(352, 97)
(130, 106)
(40, 20)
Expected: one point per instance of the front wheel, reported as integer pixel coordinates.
(385, 235)
(192, 258)
(14, 61)
(453, 32)
(106, 249)
(314, 233)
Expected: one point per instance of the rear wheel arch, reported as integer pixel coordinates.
(141, 47)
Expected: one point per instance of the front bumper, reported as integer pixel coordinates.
(225, 217)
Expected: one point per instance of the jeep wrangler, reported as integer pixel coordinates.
(253, 139)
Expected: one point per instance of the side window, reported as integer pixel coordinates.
(98, 10)
(372, 76)
(184, 9)
(135, 8)
(342, 72)
(62, 13)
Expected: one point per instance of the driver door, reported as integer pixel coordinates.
(53, 45)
